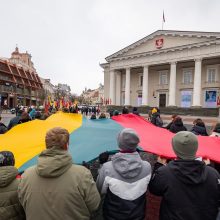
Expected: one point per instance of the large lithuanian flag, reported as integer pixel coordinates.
(89, 138)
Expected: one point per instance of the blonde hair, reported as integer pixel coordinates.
(57, 137)
(154, 110)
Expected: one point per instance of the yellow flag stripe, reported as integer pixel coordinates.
(28, 139)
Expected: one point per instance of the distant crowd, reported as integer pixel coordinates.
(22, 115)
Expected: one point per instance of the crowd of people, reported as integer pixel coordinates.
(56, 188)
(176, 125)
(22, 115)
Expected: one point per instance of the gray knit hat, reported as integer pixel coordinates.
(185, 145)
(128, 139)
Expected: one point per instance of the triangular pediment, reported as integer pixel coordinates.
(163, 39)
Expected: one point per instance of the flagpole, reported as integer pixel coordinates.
(163, 20)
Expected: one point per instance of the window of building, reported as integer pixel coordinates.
(163, 78)
(211, 75)
(140, 80)
(123, 81)
(187, 76)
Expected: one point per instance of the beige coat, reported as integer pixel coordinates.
(56, 189)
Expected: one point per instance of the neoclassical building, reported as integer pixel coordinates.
(19, 81)
(166, 68)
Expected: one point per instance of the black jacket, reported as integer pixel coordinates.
(3, 128)
(198, 130)
(177, 126)
(14, 121)
(190, 190)
(154, 119)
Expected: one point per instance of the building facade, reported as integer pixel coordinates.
(93, 97)
(166, 68)
(49, 88)
(19, 82)
(62, 91)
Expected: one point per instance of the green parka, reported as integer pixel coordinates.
(56, 189)
(10, 207)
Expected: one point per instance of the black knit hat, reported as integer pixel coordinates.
(7, 158)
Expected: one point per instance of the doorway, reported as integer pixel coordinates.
(11, 102)
(162, 100)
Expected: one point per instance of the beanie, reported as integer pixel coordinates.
(128, 140)
(185, 145)
(7, 158)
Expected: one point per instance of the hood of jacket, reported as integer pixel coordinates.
(199, 130)
(189, 171)
(128, 165)
(53, 162)
(178, 123)
(8, 174)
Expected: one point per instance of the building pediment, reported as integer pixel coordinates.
(162, 40)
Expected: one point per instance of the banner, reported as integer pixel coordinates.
(186, 98)
(210, 99)
(139, 100)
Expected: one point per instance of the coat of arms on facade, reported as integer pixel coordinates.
(159, 43)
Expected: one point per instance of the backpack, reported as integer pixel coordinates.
(159, 121)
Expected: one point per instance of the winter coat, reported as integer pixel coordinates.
(190, 190)
(198, 130)
(14, 121)
(10, 207)
(177, 126)
(32, 113)
(3, 128)
(156, 120)
(169, 125)
(124, 180)
(56, 189)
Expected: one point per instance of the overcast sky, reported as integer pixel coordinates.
(69, 38)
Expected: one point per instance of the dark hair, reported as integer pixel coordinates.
(102, 115)
(93, 116)
(125, 110)
(7, 158)
(217, 127)
(199, 122)
(174, 116)
(37, 115)
(103, 157)
(178, 121)
(25, 117)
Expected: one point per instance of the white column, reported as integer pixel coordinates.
(127, 86)
(197, 83)
(172, 86)
(145, 86)
(118, 88)
(112, 87)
